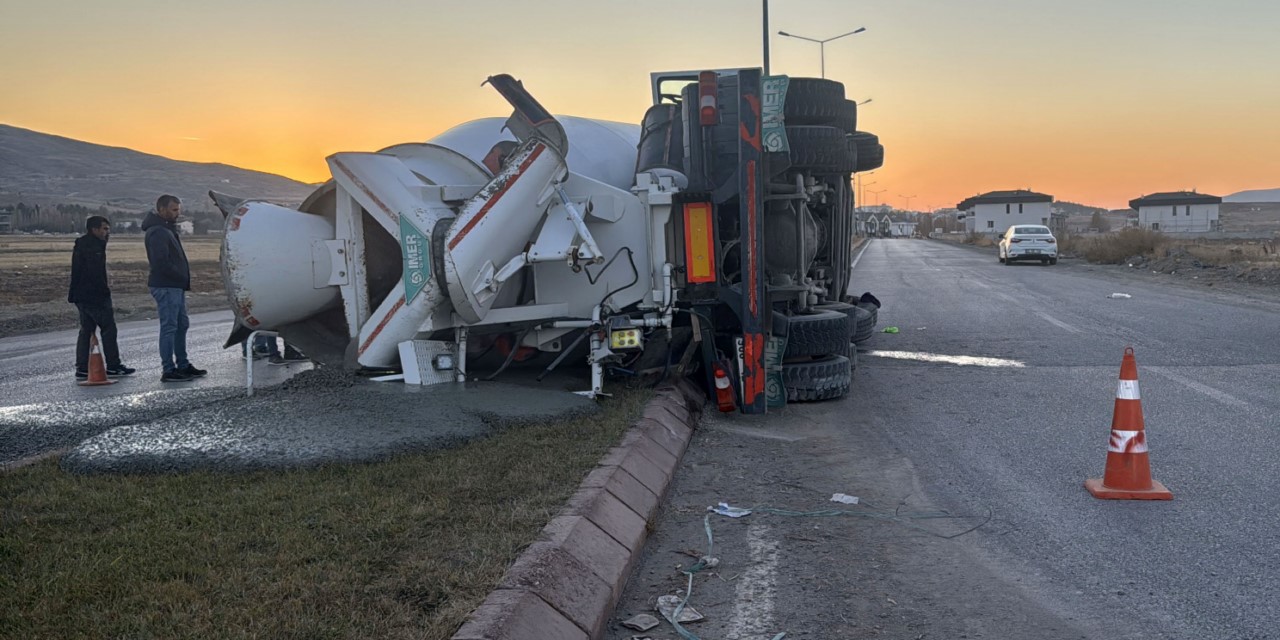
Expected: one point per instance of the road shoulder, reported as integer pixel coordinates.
(567, 583)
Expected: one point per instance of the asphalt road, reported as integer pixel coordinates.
(934, 449)
(43, 409)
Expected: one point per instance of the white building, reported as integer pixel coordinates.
(1178, 212)
(996, 211)
(902, 229)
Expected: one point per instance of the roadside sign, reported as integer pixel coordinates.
(773, 130)
(416, 251)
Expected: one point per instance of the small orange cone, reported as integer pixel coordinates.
(97, 366)
(1128, 474)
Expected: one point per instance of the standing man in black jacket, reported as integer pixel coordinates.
(91, 293)
(170, 279)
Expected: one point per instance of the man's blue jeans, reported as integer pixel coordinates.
(171, 304)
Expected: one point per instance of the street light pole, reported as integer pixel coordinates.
(909, 198)
(877, 194)
(766, 36)
(822, 44)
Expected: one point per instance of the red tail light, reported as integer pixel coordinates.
(708, 114)
(1051, 241)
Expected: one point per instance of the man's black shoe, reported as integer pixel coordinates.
(193, 372)
(175, 376)
(119, 370)
(82, 374)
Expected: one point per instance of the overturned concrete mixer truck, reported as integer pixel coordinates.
(713, 240)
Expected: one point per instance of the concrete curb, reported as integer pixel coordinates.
(566, 585)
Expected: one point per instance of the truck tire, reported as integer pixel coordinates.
(867, 318)
(870, 153)
(821, 107)
(817, 379)
(847, 309)
(866, 323)
(820, 149)
(812, 100)
(817, 334)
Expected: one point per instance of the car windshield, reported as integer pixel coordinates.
(1031, 231)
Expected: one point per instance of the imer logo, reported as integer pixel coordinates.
(415, 249)
(772, 127)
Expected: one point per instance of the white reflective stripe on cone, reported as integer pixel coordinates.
(1127, 442)
(1127, 390)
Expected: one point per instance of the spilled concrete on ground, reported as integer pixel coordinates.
(33, 429)
(319, 417)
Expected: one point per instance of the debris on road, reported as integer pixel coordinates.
(844, 499)
(726, 510)
(1118, 296)
(889, 330)
(667, 605)
(642, 622)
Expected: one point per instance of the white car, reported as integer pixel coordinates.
(1028, 242)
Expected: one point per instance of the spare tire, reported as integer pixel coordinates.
(816, 334)
(821, 149)
(818, 379)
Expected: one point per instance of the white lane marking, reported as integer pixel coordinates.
(1057, 323)
(1128, 390)
(861, 252)
(1220, 396)
(753, 601)
(968, 361)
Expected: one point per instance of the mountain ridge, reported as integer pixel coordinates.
(38, 167)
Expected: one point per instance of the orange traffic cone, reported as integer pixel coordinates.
(1128, 474)
(97, 366)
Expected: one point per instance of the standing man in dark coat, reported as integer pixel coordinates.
(170, 279)
(91, 293)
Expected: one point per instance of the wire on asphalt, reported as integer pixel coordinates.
(707, 561)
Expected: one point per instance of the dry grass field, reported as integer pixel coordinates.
(35, 272)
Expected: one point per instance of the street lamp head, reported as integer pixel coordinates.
(783, 33)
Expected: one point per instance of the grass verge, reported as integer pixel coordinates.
(399, 549)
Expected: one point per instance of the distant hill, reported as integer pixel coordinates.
(1074, 209)
(42, 168)
(1256, 195)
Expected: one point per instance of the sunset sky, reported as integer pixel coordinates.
(1094, 101)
